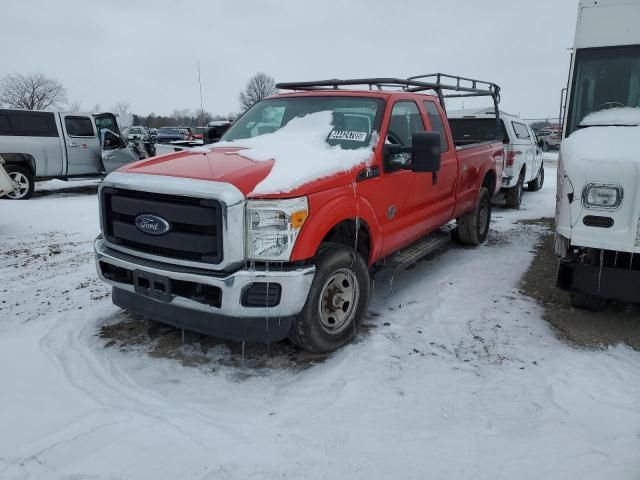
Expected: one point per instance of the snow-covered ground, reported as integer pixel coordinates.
(457, 377)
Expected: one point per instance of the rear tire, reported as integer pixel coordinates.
(536, 183)
(24, 179)
(337, 301)
(584, 301)
(473, 227)
(514, 194)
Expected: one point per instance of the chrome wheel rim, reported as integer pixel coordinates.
(338, 301)
(20, 184)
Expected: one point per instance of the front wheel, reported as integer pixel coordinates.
(22, 180)
(585, 301)
(337, 300)
(536, 183)
(514, 194)
(473, 227)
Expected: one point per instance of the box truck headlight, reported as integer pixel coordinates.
(273, 227)
(596, 195)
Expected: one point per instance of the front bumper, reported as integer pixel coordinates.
(228, 318)
(617, 283)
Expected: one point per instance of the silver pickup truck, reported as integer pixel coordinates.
(46, 145)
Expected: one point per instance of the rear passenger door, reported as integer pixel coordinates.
(444, 182)
(82, 145)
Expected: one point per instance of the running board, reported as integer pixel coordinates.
(402, 259)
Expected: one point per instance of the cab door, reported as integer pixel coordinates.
(115, 152)
(407, 196)
(443, 183)
(82, 145)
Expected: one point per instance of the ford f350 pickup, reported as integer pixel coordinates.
(207, 240)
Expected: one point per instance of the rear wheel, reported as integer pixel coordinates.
(337, 300)
(536, 183)
(587, 302)
(514, 194)
(473, 227)
(22, 180)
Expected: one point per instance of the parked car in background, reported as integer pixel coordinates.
(198, 133)
(549, 139)
(523, 157)
(169, 134)
(138, 133)
(190, 239)
(46, 145)
(186, 131)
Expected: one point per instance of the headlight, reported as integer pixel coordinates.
(607, 197)
(273, 226)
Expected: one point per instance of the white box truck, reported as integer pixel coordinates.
(598, 194)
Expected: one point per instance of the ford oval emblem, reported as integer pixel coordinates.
(152, 224)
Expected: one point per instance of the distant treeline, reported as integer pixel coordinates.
(179, 118)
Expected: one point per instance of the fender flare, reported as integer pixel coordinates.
(320, 223)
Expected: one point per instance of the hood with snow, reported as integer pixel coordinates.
(294, 160)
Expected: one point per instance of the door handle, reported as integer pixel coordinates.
(74, 144)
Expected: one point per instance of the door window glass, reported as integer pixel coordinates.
(437, 124)
(405, 120)
(78, 127)
(521, 131)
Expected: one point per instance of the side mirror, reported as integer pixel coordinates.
(425, 151)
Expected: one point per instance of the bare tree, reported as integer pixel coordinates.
(258, 87)
(75, 106)
(121, 109)
(31, 92)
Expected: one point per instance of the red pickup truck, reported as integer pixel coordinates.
(196, 239)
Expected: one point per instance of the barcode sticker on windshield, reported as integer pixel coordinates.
(348, 135)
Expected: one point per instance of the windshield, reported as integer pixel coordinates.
(604, 78)
(169, 131)
(354, 119)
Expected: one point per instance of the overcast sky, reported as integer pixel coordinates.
(145, 52)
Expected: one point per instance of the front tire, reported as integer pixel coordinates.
(337, 301)
(473, 227)
(514, 194)
(536, 183)
(584, 301)
(23, 180)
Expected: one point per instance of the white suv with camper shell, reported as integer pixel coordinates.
(523, 156)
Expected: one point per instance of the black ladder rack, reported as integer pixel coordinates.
(462, 86)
